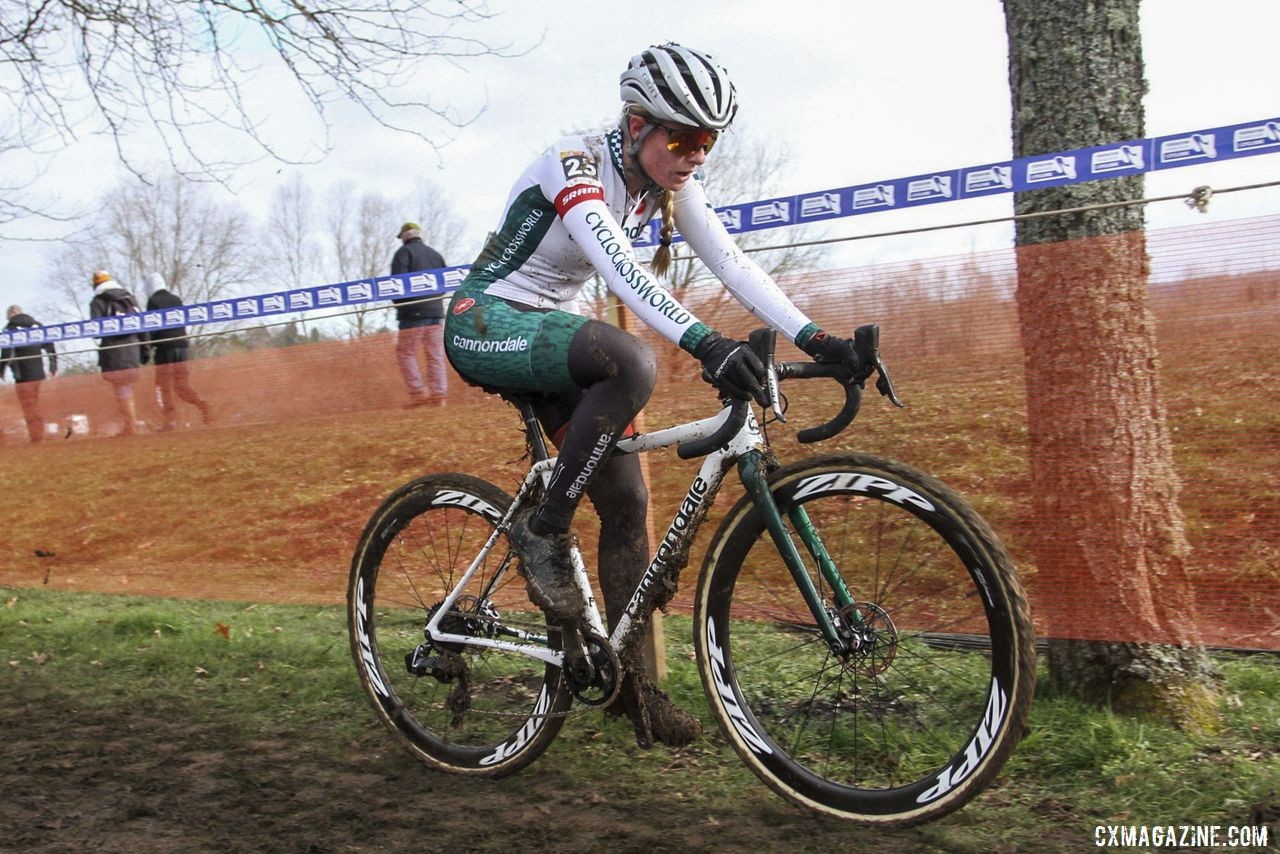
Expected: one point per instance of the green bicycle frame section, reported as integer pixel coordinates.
(834, 620)
(752, 470)
(670, 557)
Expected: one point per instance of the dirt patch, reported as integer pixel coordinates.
(163, 775)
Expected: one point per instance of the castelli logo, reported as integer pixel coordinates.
(463, 305)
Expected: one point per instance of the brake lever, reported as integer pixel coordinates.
(866, 340)
(884, 385)
(764, 342)
(771, 388)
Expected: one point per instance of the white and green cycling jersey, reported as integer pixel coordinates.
(570, 216)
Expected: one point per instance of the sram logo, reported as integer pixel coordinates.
(510, 748)
(463, 499)
(730, 702)
(570, 197)
(859, 482)
(954, 775)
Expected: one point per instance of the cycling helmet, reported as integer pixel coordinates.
(677, 84)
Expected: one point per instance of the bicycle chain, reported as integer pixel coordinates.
(452, 702)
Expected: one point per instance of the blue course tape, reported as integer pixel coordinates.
(1010, 176)
(1118, 159)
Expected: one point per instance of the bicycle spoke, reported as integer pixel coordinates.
(879, 718)
(457, 701)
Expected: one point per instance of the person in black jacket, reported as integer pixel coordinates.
(167, 350)
(421, 323)
(27, 367)
(119, 356)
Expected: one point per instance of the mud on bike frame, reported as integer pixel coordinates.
(733, 435)
(886, 681)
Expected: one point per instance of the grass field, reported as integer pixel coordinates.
(149, 724)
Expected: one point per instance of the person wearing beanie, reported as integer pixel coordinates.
(24, 362)
(168, 350)
(119, 356)
(421, 323)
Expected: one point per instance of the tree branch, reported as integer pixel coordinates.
(182, 74)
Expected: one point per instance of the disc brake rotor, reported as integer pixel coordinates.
(876, 637)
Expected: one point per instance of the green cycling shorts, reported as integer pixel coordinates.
(493, 344)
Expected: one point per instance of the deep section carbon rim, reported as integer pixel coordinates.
(928, 694)
(456, 706)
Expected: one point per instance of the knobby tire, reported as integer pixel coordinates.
(922, 716)
(476, 711)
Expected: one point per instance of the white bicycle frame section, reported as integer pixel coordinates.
(710, 475)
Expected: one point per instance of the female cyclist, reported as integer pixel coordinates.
(511, 325)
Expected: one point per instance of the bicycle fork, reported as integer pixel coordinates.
(753, 471)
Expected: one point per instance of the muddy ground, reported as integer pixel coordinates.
(160, 776)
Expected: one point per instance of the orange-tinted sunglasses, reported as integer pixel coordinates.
(686, 141)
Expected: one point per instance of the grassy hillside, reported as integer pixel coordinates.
(271, 511)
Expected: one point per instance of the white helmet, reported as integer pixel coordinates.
(677, 84)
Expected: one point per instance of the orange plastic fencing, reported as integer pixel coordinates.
(266, 503)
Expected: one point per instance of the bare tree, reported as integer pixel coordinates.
(361, 231)
(443, 229)
(182, 73)
(201, 246)
(18, 200)
(290, 241)
(1109, 530)
(744, 168)
(291, 244)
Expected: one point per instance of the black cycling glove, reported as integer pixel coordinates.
(731, 367)
(829, 348)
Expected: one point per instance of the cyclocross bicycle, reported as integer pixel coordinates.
(862, 636)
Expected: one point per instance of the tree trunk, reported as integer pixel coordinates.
(1110, 548)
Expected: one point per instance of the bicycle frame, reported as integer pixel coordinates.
(886, 723)
(749, 449)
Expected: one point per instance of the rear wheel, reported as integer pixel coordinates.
(456, 706)
(926, 692)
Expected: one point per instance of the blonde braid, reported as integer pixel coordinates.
(661, 262)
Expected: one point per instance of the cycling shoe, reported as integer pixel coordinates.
(547, 568)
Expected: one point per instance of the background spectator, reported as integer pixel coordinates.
(28, 371)
(119, 356)
(421, 323)
(167, 349)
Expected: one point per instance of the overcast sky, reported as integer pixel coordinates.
(856, 91)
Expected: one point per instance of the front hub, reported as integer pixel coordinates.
(873, 636)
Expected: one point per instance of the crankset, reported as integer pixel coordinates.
(591, 668)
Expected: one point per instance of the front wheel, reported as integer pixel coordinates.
(925, 693)
(460, 707)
